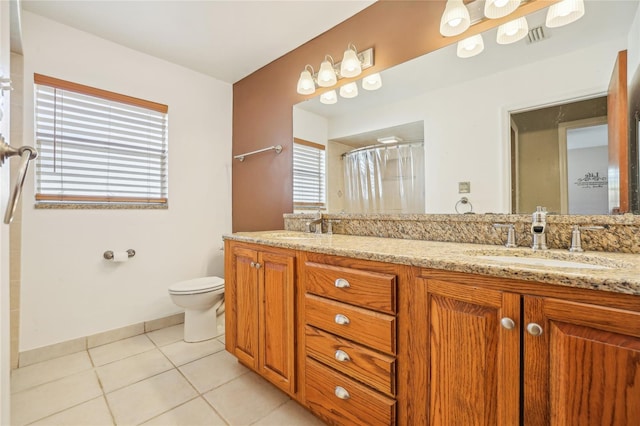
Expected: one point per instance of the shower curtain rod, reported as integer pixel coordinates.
(385, 146)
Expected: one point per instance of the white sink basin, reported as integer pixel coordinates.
(549, 259)
(292, 235)
(544, 262)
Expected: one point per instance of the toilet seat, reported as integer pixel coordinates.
(197, 286)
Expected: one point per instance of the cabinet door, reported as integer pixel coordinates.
(584, 368)
(277, 325)
(242, 304)
(474, 362)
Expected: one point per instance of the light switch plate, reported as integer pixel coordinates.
(464, 187)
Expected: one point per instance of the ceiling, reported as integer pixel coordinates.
(227, 40)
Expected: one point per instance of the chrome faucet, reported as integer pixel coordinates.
(576, 243)
(312, 225)
(511, 234)
(539, 228)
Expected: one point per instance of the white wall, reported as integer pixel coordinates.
(466, 125)
(68, 289)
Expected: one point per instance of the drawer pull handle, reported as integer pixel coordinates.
(342, 356)
(534, 329)
(341, 319)
(342, 283)
(341, 393)
(508, 323)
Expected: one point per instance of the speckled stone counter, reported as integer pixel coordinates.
(621, 233)
(620, 272)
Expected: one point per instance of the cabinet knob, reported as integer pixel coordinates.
(507, 323)
(341, 393)
(342, 356)
(252, 264)
(341, 319)
(342, 283)
(257, 265)
(534, 329)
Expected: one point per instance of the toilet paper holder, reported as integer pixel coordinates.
(109, 254)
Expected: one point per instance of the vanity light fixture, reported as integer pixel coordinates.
(564, 12)
(494, 9)
(349, 90)
(372, 82)
(306, 85)
(327, 74)
(329, 98)
(455, 19)
(470, 46)
(330, 72)
(512, 31)
(350, 66)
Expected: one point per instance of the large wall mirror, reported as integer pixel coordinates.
(466, 114)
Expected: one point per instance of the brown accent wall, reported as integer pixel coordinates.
(262, 185)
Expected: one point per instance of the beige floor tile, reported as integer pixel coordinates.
(146, 399)
(182, 352)
(194, 413)
(48, 371)
(167, 335)
(41, 401)
(133, 369)
(213, 370)
(115, 351)
(94, 413)
(290, 413)
(246, 399)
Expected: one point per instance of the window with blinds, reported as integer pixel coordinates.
(98, 147)
(308, 175)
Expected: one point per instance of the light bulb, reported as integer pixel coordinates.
(512, 31)
(455, 19)
(306, 85)
(327, 75)
(564, 12)
(470, 46)
(349, 90)
(329, 97)
(350, 66)
(494, 9)
(372, 82)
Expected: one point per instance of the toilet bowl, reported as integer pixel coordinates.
(203, 303)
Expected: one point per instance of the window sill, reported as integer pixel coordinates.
(100, 206)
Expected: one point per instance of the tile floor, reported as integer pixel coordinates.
(150, 379)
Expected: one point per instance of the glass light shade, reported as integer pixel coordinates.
(349, 90)
(327, 75)
(305, 83)
(564, 12)
(350, 66)
(494, 9)
(329, 97)
(512, 31)
(372, 82)
(470, 46)
(455, 19)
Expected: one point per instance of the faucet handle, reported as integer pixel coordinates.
(511, 234)
(576, 240)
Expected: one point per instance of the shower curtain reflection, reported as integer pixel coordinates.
(385, 179)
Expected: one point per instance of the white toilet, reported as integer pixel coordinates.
(203, 303)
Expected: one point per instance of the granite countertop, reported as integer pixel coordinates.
(616, 272)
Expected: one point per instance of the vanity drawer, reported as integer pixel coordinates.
(370, 328)
(368, 289)
(358, 405)
(370, 367)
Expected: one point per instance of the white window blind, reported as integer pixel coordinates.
(98, 147)
(308, 175)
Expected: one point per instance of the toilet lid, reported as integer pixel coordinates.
(198, 285)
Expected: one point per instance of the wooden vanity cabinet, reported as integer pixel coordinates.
(260, 308)
(500, 357)
(350, 339)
